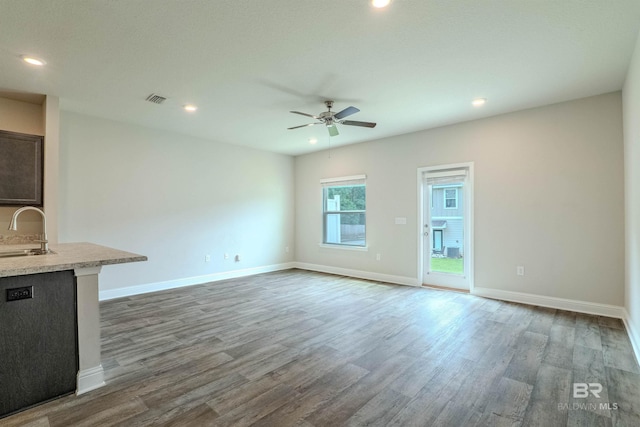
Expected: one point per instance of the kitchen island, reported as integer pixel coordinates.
(61, 290)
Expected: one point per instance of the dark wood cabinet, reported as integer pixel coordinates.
(38, 339)
(21, 169)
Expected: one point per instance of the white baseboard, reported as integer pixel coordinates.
(367, 275)
(634, 334)
(190, 281)
(89, 379)
(552, 302)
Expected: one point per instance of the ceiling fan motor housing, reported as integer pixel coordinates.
(327, 116)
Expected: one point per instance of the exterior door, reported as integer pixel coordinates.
(446, 249)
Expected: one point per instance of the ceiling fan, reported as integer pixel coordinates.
(330, 119)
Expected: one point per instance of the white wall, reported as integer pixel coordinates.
(631, 100)
(51, 120)
(548, 195)
(172, 198)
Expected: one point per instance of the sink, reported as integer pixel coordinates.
(22, 252)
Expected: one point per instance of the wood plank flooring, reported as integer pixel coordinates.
(297, 348)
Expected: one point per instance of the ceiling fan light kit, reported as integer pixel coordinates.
(330, 119)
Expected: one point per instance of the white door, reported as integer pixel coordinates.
(446, 249)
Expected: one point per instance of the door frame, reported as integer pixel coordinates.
(468, 220)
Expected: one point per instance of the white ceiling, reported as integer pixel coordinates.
(246, 63)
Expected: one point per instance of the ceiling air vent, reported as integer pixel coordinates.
(156, 99)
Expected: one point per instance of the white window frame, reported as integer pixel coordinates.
(345, 181)
(444, 195)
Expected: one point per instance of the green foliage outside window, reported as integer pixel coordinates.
(352, 198)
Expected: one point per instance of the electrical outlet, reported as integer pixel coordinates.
(19, 293)
(286, 249)
(520, 270)
(226, 256)
(377, 257)
(207, 258)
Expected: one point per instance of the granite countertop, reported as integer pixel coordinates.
(65, 256)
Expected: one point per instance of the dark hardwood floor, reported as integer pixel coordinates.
(296, 348)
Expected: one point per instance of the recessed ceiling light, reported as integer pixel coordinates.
(479, 102)
(380, 3)
(33, 60)
(313, 141)
(190, 108)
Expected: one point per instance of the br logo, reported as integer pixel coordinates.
(582, 390)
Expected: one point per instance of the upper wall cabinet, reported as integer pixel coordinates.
(21, 169)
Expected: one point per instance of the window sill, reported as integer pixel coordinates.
(344, 247)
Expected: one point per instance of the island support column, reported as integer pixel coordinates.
(90, 372)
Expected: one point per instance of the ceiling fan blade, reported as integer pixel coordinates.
(305, 114)
(362, 124)
(346, 112)
(333, 130)
(304, 126)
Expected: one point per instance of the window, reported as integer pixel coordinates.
(344, 211)
(451, 198)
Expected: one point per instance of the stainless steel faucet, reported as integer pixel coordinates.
(44, 242)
